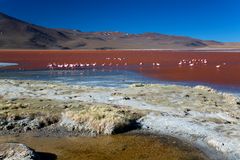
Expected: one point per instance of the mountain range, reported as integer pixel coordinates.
(18, 34)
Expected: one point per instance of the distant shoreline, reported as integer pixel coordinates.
(186, 49)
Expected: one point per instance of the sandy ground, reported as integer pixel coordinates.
(171, 65)
(200, 115)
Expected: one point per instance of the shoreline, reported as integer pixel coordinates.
(198, 115)
(148, 49)
(137, 78)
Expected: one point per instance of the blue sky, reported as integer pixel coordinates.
(205, 19)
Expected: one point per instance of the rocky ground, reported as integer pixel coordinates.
(199, 115)
(16, 151)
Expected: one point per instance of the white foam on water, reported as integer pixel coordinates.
(4, 64)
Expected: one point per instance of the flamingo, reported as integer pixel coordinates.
(205, 61)
(60, 66)
(76, 65)
(71, 66)
(50, 66)
(65, 65)
(191, 65)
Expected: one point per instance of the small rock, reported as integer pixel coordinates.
(5, 108)
(25, 129)
(126, 98)
(139, 85)
(16, 151)
(13, 99)
(66, 106)
(116, 94)
(186, 113)
(3, 122)
(205, 99)
(188, 110)
(227, 122)
(9, 126)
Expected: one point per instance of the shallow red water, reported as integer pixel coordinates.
(163, 65)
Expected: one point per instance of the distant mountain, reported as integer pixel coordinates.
(17, 34)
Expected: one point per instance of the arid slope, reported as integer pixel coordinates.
(17, 34)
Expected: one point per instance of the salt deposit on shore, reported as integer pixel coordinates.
(199, 115)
